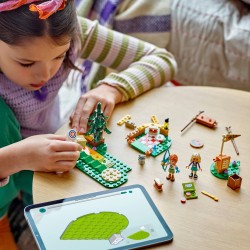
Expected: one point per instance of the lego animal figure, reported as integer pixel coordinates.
(195, 165)
(173, 159)
(141, 159)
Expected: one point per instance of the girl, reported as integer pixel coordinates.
(36, 55)
(39, 43)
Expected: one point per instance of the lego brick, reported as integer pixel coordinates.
(130, 124)
(123, 120)
(154, 119)
(207, 121)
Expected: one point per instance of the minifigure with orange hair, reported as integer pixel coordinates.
(173, 158)
(195, 165)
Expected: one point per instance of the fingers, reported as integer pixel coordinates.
(63, 146)
(56, 137)
(77, 114)
(108, 109)
(87, 103)
(63, 166)
(67, 156)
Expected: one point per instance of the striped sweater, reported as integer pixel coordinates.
(142, 66)
(143, 19)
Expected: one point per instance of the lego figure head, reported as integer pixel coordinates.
(173, 159)
(195, 158)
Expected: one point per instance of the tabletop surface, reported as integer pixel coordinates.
(199, 223)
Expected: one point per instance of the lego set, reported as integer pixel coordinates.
(222, 167)
(94, 159)
(149, 139)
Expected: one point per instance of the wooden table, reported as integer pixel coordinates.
(199, 224)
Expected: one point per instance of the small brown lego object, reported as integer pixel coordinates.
(234, 181)
(207, 121)
(158, 184)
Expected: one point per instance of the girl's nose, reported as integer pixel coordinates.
(44, 73)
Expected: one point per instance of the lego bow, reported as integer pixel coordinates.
(44, 9)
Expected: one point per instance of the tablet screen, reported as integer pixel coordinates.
(123, 218)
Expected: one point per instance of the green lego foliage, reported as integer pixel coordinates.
(141, 235)
(93, 226)
(97, 123)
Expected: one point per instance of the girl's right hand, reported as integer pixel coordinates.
(47, 153)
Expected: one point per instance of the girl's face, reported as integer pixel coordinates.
(31, 64)
(195, 159)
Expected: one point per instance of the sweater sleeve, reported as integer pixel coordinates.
(141, 65)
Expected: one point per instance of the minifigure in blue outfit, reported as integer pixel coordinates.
(173, 158)
(195, 165)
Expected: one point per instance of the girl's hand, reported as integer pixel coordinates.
(107, 95)
(47, 153)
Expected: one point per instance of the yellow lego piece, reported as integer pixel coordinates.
(89, 137)
(81, 140)
(123, 120)
(130, 124)
(154, 119)
(93, 153)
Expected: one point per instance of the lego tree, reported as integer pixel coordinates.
(97, 124)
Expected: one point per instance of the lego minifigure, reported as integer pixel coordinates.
(173, 158)
(195, 165)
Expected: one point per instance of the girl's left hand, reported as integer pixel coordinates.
(107, 95)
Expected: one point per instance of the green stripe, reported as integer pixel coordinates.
(84, 28)
(127, 90)
(122, 53)
(139, 52)
(164, 58)
(147, 74)
(159, 68)
(91, 44)
(136, 80)
(107, 47)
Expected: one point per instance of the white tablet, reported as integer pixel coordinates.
(121, 218)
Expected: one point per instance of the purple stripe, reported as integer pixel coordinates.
(108, 9)
(77, 2)
(99, 5)
(144, 24)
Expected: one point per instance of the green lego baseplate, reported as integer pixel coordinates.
(94, 168)
(232, 169)
(161, 147)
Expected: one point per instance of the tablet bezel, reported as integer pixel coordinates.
(167, 238)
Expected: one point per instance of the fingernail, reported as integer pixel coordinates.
(75, 128)
(82, 131)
